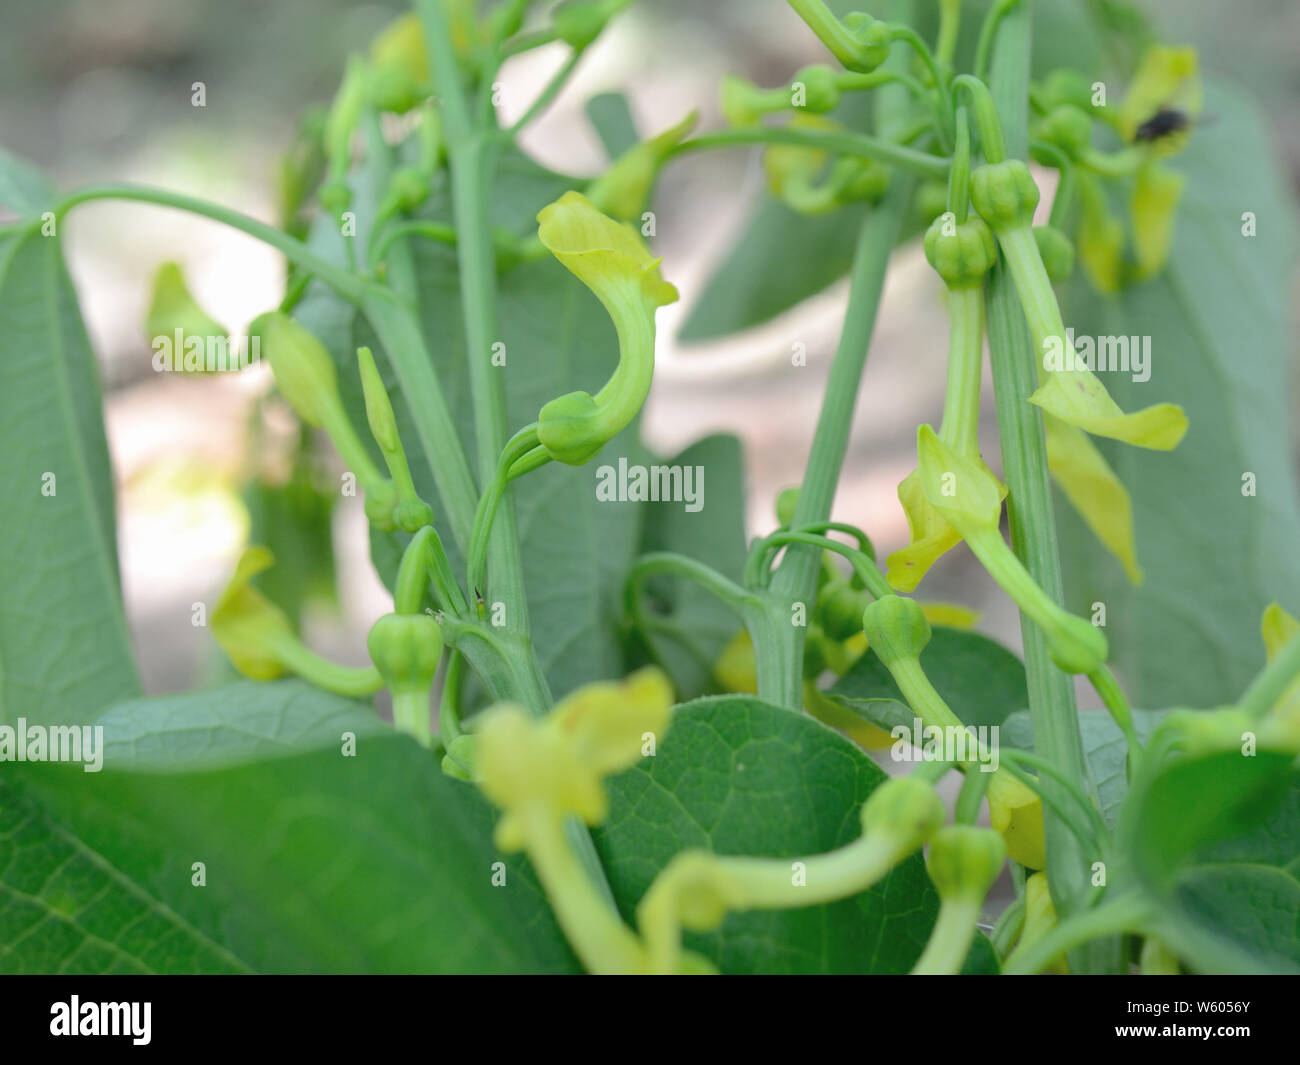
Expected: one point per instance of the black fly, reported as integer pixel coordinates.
(1164, 123)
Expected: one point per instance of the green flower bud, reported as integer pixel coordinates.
(964, 861)
(1067, 87)
(961, 253)
(345, 113)
(931, 200)
(304, 371)
(1057, 252)
(458, 762)
(860, 179)
(406, 648)
(814, 652)
(1004, 194)
(174, 310)
(613, 262)
(407, 189)
(896, 629)
(399, 72)
(742, 101)
(579, 22)
(1076, 645)
(1069, 128)
(903, 809)
(840, 606)
(567, 428)
(786, 502)
(820, 93)
(335, 196)
(873, 39)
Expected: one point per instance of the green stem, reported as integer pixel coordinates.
(992, 145)
(346, 284)
(518, 446)
(666, 562)
(858, 145)
(949, 29)
(1112, 695)
(1029, 504)
(547, 96)
(796, 580)
(1127, 913)
(344, 680)
(438, 231)
(470, 151)
(1278, 676)
(399, 331)
(988, 31)
(863, 566)
(950, 939)
(828, 28)
(1008, 927)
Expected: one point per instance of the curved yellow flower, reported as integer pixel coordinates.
(246, 624)
(969, 498)
(613, 262)
(1278, 628)
(609, 257)
(538, 772)
(931, 536)
(554, 765)
(259, 639)
(1093, 490)
(1078, 398)
(1016, 813)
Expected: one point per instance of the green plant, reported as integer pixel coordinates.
(623, 777)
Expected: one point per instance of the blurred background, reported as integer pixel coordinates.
(95, 90)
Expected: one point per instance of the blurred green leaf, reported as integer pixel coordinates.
(315, 862)
(64, 646)
(1219, 319)
(1215, 843)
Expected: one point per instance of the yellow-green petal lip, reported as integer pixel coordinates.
(931, 537)
(961, 488)
(1166, 79)
(1156, 192)
(245, 623)
(603, 254)
(1093, 490)
(1079, 398)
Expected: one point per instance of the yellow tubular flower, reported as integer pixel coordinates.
(1016, 813)
(246, 624)
(1093, 490)
(970, 499)
(538, 772)
(260, 642)
(1040, 918)
(1278, 628)
(610, 259)
(931, 537)
(1156, 192)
